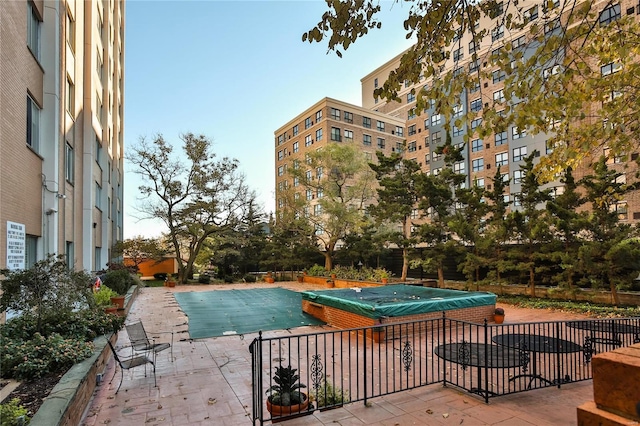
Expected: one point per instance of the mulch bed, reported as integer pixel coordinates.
(32, 394)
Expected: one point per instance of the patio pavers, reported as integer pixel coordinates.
(209, 382)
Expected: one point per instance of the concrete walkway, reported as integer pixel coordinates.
(208, 382)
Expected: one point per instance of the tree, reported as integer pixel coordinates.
(553, 77)
(196, 196)
(139, 249)
(342, 187)
(397, 200)
(497, 232)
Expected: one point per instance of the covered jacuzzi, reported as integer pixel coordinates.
(358, 307)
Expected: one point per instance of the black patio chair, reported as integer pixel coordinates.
(141, 342)
(129, 363)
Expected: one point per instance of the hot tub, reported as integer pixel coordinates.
(359, 307)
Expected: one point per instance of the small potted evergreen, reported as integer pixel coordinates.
(285, 397)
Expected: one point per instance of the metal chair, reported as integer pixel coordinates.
(140, 341)
(129, 363)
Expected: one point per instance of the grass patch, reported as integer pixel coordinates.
(154, 283)
(587, 308)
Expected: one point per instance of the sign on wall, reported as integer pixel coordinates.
(16, 246)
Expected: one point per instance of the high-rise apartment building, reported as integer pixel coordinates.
(424, 131)
(61, 131)
(330, 120)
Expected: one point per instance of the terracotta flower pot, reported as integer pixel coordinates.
(300, 279)
(118, 301)
(111, 310)
(287, 410)
(499, 319)
(385, 280)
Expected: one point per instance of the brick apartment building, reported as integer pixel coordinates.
(425, 131)
(61, 131)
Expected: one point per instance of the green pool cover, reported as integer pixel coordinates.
(398, 300)
(227, 312)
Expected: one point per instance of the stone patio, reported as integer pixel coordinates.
(208, 382)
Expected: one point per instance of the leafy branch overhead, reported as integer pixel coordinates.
(570, 69)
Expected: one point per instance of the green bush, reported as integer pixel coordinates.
(41, 356)
(328, 395)
(118, 281)
(103, 297)
(204, 279)
(318, 271)
(249, 278)
(13, 414)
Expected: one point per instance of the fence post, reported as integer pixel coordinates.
(486, 363)
(558, 355)
(364, 360)
(256, 377)
(444, 353)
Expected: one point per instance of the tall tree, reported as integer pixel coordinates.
(194, 194)
(339, 193)
(553, 75)
(497, 232)
(397, 200)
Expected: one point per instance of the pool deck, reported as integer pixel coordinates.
(209, 381)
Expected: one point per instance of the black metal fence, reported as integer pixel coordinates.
(346, 366)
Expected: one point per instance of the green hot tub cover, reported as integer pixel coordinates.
(398, 300)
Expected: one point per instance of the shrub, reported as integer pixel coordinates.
(318, 271)
(13, 414)
(204, 279)
(228, 279)
(41, 356)
(328, 394)
(118, 280)
(103, 296)
(249, 278)
(160, 276)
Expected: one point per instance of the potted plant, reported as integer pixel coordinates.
(331, 284)
(269, 278)
(103, 298)
(384, 277)
(119, 281)
(330, 396)
(285, 397)
(498, 315)
(300, 278)
(170, 281)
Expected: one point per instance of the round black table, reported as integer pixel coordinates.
(538, 344)
(480, 355)
(611, 329)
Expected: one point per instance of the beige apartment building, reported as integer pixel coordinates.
(424, 130)
(330, 120)
(61, 131)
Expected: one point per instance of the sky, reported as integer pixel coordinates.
(236, 71)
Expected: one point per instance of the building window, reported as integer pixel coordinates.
(381, 143)
(280, 155)
(366, 122)
(498, 96)
(531, 14)
(399, 131)
(457, 131)
(411, 147)
(399, 147)
(295, 130)
(318, 116)
(366, 140)
(517, 133)
(308, 140)
(477, 164)
(317, 210)
(33, 124)
(335, 114)
(319, 172)
(99, 108)
(296, 147)
(552, 25)
(319, 135)
(335, 134)
(519, 42)
(436, 171)
(459, 167)
(69, 170)
(475, 87)
(497, 33)
(348, 117)
(474, 65)
(479, 182)
(497, 10)
(348, 135)
(411, 114)
(458, 72)
(476, 105)
(281, 139)
(498, 76)
(380, 126)
(458, 111)
(309, 195)
(610, 68)
(296, 182)
(375, 83)
(71, 32)
(280, 170)
(473, 46)
(475, 123)
(411, 130)
(477, 145)
(620, 208)
(458, 54)
(609, 14)
(99, 65)
(307, 122)
(502, 159)
(501, 138)
(411, 97)
(436, 119)
(33, 30)
(519, 153)
(517, 199)
(98, 194)
(518, 175)
(436, 138)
